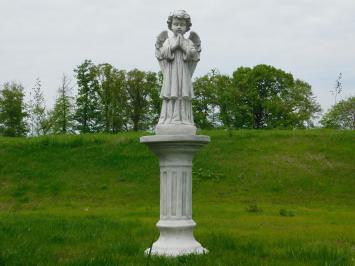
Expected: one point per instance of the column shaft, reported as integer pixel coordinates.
(175, 192)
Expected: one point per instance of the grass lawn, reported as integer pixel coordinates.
(259, 198)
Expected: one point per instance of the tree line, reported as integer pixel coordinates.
(111, 100)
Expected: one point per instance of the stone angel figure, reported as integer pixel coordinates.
(177, 58)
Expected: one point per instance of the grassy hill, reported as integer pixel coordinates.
(259, 198)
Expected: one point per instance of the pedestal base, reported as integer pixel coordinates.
(176, 226)
(175, 251)
(176, 239)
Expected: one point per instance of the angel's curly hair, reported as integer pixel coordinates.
(182, 14)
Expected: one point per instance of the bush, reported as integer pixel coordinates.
(341, 115)
(286, 213)
(253, 208)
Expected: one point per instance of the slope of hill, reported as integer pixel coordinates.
(259, 197)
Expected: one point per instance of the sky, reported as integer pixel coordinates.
(312, 39)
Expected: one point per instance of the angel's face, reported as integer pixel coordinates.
(178, 26)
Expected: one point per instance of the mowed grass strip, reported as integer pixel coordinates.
(260, 198)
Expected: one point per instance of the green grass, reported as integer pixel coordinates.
(259, 198)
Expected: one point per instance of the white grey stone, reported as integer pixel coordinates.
(178, 57)
(176, 225)
(176, 141)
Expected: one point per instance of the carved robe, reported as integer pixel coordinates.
(177, 68)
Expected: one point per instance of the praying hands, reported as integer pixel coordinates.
(178, 43)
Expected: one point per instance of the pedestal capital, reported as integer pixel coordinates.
(178, 139)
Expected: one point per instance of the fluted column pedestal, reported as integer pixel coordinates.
(176, 226)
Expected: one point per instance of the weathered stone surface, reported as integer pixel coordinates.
(176, 142)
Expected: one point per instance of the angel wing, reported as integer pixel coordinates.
(197, 43)
(196, 40)
(158, 44)
(160, 40)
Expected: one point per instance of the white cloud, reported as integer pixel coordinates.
(312, 39)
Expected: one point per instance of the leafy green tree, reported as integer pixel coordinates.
(271, 98)
(301, 106)
(341, 115)
(37, 111)
(88, 112)
(140, 86)
(62, 116)
(113, 96)
(262, 87)
(259, 97)
(238, 100)
(228, 103)
(155, 101)
(12, 110)
(153, 84)
(205, 102)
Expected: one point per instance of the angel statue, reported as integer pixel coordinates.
(177, 58)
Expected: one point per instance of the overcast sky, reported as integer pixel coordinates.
(312, 39)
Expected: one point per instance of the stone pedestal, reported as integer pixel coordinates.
(176, 226)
